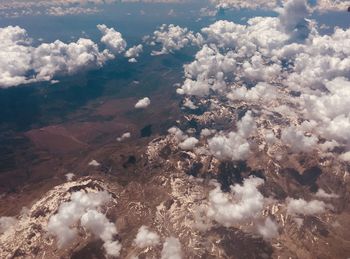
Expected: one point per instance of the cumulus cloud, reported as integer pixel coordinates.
(234, 145)
(21, 63)
(7, 223)
(302, 207)
(134, 52)
(189, 143)
(73, 10)
(243, 203)
(172, 38)
(125, 136)
(112, 38)
(146, 238)
(324, 195)
(293, 18)
(101, 227)
(177, 133)
(269, 229)
(83, 208)
(297, 140)
(94, 163)
(70, 176)
(171, 249)
(321, 5)
(143, 103)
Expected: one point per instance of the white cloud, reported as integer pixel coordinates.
(297, 140)
(242, 204)
(171, 249)
(21, 63)
(189, 143)
(6, 223)
(173, 38)
(70, 176)
(125, 136)
(100, 226)
(234, 145)
(143, 103)
(134, 52)
(94, 163)
(269, 229)
(322, 194)
(292, 18)
(322, 5)
(146, 238)
(178, 134)
(112, 38)
(74, 10)
(63, 223)
(302, 207)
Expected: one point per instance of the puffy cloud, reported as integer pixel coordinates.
(94, 163)
(269, 229)
(112, 38)
(292, 18)
(100, 226)
(302, 207)
(234, 145)
(74, 10)
(143, 103)
(324, 195)
(322, 5)
(189, 143)
(178, 134)
(6, 223)
(297, 140)
(173, 38)
(146, 238)
(125, 136)
(62, 224)
(243, 203)
(262, 92)
(171, 249)
(70, 176)
(241, 4)
(22, 63)
(134, 52)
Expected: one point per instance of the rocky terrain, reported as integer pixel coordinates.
(177, 192)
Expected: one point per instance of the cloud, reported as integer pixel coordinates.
(6, 223)
(100, 226)
(70, 176)
(172, 38)
(171, 249)
(263, 62)
(242, 204)
(21, 63)
(293, 18)
(83, 208)
(94, 163)
(134, 52)
(322, 5)
(146, 238)
(324, 195)
(297, 140)
(112, 38)
(269, 229)
(302, 207)
(143, 103)
(74, 10)
(234, 145)
(125, 136)
(189, 143)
